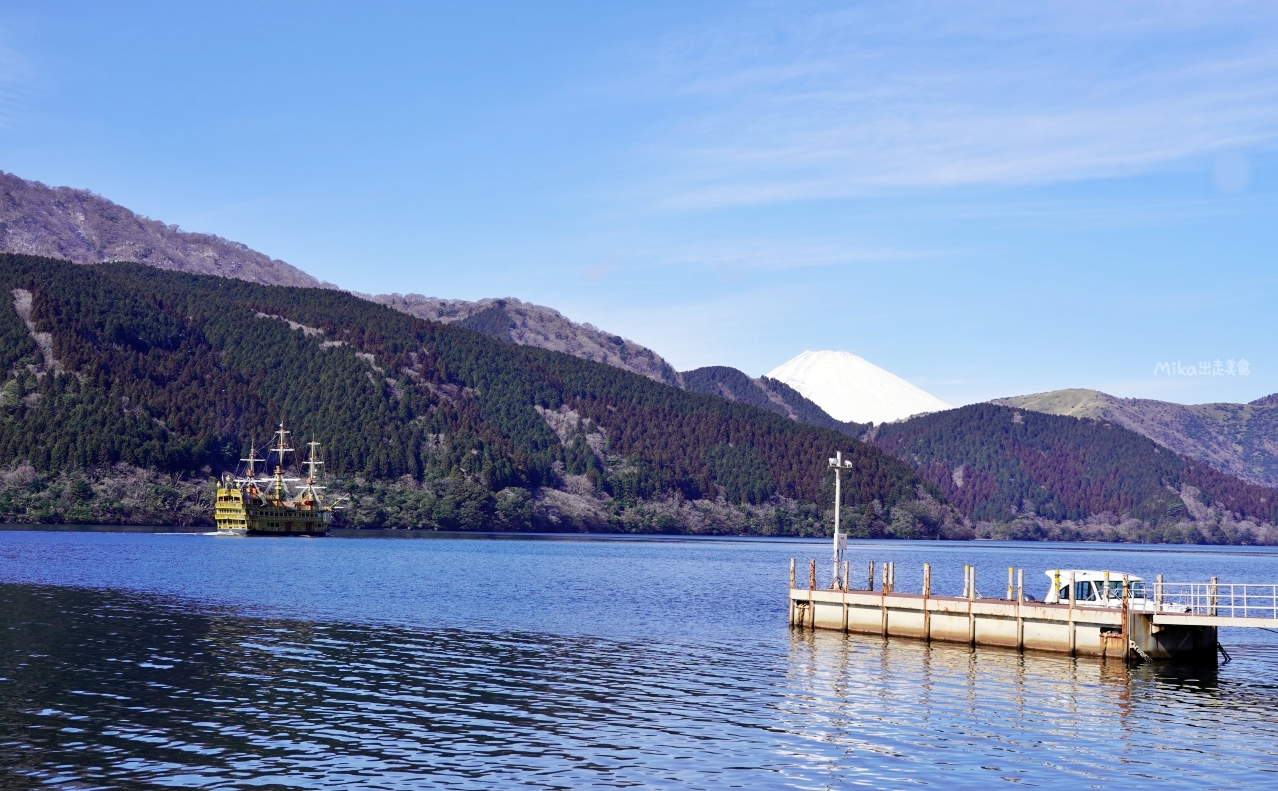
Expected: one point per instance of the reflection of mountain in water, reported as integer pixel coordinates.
(117, 689)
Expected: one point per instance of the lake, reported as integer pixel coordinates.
(473, 662)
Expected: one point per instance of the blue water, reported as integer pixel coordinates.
(159, 660)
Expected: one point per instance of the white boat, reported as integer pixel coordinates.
(1105, 589)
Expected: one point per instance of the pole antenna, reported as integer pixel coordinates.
(838, 464)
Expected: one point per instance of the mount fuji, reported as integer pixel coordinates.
(850, 388)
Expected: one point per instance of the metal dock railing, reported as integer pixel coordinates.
(1217, 604)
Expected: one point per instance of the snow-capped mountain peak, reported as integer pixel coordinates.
(851, 388)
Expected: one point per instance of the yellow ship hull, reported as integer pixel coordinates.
(239, 514)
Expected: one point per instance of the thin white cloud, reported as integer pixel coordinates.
(782, 104)
(773, 256)
(16, 83)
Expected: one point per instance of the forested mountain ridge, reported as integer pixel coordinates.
(426, 423)
(1024, 474)
(1238, 439)
(79, 226)
(764, 393)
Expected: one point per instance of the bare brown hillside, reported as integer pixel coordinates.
(536, 325)
(80, 226)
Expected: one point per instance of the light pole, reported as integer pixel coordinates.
(840, 540)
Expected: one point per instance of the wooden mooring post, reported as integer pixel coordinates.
(1073, 630)
(883, 592)
(844, 601)
(927, 594)
(1020, 617)
(811, 587)
(790, 614)
(1125, 631)
(971, 597)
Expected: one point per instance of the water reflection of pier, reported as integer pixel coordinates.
(902, 709)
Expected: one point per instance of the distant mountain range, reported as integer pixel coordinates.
(527, 324)
(1240, 439)
(1066, 464)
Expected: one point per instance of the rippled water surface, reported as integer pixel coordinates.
(136, 660)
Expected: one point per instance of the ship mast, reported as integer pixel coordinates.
(311, 462)
(253, 460)
(252, 463)
(310, 495)
(280, 449)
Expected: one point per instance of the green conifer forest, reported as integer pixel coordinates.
(131, 367)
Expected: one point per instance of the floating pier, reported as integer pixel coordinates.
(1178, 620)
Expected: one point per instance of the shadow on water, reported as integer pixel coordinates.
(105, 687)
(21, 528)
(110, 689)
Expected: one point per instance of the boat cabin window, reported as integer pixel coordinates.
(1083, 591)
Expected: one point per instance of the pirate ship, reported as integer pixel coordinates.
(265, 505)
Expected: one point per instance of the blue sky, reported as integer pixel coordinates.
(986, 198)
